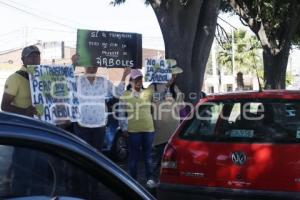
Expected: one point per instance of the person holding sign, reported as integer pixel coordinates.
(17, 97)
(168, 100)
(92, 92)
(138, 125)
(167, 96)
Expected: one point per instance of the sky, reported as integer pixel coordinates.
(27, 21)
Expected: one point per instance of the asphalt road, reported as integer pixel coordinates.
(141, 174)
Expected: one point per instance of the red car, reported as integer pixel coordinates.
(236, 146)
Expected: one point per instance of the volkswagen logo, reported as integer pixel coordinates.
(238, 158)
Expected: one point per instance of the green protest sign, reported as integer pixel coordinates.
(109, 49)
(54, 92)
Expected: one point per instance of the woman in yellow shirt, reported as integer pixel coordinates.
(138, 125)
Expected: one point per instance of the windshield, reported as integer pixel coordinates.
(249, 121)
(31, 173)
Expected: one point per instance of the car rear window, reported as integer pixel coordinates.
(245, 121)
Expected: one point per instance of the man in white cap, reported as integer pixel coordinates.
(16, 97)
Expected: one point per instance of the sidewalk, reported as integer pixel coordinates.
(141, 177)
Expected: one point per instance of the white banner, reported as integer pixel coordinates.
(54, 92)
(157, 71)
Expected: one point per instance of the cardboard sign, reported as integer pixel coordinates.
(54, 92)
(157, 71)
(109, 49)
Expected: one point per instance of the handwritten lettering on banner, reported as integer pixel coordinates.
(157, 71)
(109, 49)
(54, 92)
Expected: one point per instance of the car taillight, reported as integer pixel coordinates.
(169, 160)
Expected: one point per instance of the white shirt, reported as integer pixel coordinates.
(92, 96)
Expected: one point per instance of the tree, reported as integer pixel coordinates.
(275, 23)
(188, 28)
(246, 54)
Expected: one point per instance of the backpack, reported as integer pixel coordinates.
(23, 73)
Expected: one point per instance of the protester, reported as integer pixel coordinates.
(17, 99)
(184, 112)
(138, 125)
(92, 92)
(67, 124)
(74, 60)
(168, 101)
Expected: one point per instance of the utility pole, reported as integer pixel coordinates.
(214, 68)
(233, 60)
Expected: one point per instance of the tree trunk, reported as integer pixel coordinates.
(188, 28)
(275, 40)
(240, 81)
(275, 67)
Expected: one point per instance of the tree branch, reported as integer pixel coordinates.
(156, 3)
(289, 25)
(244, 11)
(221, 36)
(243, 22)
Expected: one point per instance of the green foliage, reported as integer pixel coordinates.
(225, 7)
(209, 69)
(118, 2)
(246, 54)
(274, 14)
(289, 78)
(296, 38)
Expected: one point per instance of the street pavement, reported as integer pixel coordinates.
(141, 174)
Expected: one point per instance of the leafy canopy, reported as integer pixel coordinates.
(273, 14)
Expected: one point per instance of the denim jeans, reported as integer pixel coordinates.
(140, 143)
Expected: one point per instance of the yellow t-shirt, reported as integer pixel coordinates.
(139, 111)
(18, 86)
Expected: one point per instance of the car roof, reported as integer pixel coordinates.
(266, 94)
(26, 128)
(15, 119)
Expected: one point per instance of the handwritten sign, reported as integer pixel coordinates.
(109, 49)
(157, 71)
(54, 92)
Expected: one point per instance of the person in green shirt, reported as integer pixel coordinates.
(138, 125)
(17, 97)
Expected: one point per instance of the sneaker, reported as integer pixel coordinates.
(151, 184)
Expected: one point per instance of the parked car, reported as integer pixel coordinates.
(236, 146)
(290, 110)
(115, 144)
(54, 163)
